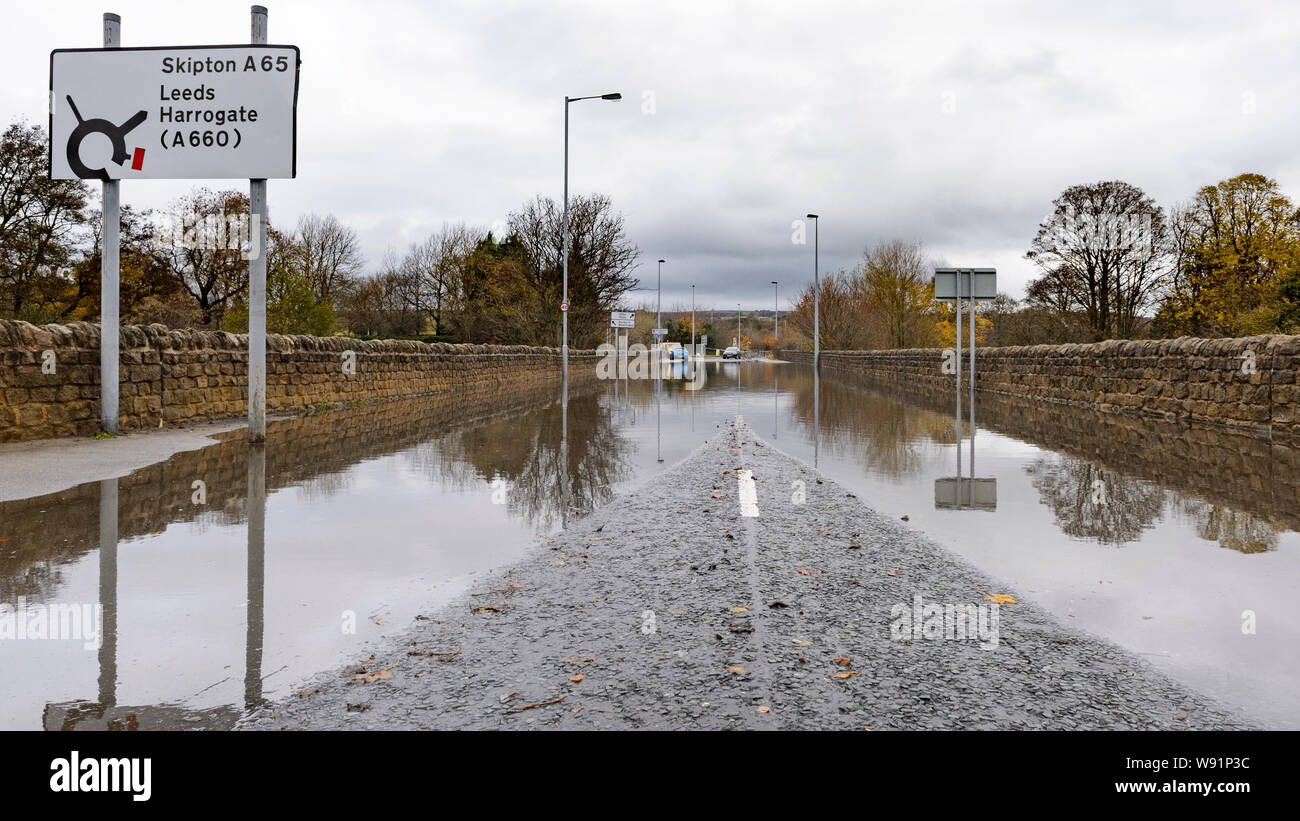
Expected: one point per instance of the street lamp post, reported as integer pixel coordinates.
(659, 296)
(817, 293)
(776, 312)
(564, 251)
(692, 320)
(737, 324)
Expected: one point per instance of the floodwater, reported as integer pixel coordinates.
(226, 576)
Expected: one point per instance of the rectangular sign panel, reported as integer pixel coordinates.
(660, 332)
(622, 323)
(945, 283)
(959, 491)
(622, 315)
(189, 112)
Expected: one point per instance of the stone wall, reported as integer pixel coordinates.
(1247, 383)
(49, 375)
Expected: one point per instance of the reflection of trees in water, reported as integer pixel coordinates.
(887, 436)
(1243, 532)
(525, 452)
(36, 583)
(1095, 504)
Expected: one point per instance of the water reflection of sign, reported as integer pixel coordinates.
(960, 492)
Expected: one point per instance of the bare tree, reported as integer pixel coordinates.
(1104, 251)
(205, 249)
(328, 253)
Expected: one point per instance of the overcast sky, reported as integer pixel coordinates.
(954, 124)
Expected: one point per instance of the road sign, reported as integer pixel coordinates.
(622, 319)
(564, 307)
(184, 112)
(660, 332)
(945, 283)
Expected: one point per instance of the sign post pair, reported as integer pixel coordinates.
(182, 112)
(973, 285)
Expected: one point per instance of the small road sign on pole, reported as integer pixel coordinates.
(564, 307)
(622, 319)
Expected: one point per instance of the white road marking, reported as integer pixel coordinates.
(748, 493)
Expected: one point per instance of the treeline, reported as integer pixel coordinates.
(187, 265)
(1112, 265)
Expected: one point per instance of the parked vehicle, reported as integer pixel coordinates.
(673, 351)
(731, 352)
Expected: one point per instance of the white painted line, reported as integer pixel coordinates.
(748, 493)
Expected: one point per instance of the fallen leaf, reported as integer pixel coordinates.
(999, 598)
(577, 659)
(853, 544)
(765, 709)
(843, 661)
(735, 668)
(846, 675)
(489, 610)
(801, 642)
(577, 679)
(676, 612)
(738, 609)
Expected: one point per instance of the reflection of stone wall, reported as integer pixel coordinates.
(310, 450)
(1236, 469)
(1193, 379)
(178, 376)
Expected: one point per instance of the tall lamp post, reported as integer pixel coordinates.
(776, 312)
(817, 293)
(737, 324)
(564, 251)
(659, 296)
(692, 320)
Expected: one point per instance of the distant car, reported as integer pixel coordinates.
(731, 352)
(673, 351)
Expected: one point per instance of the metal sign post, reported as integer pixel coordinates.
(258, 240)
(109, 292)
(952, 285)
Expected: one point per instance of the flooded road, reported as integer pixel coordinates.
(348, 524)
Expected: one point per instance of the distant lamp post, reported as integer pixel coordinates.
(659, 296)
(737, 324)
(692, 320)
(817, 294)
(776, 311)
(564, 251)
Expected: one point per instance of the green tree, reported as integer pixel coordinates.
(1237, 245)
(41, 222)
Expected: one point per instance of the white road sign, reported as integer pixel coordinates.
(622, 319)
(188, 112)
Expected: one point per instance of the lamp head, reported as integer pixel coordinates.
(613, 96)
